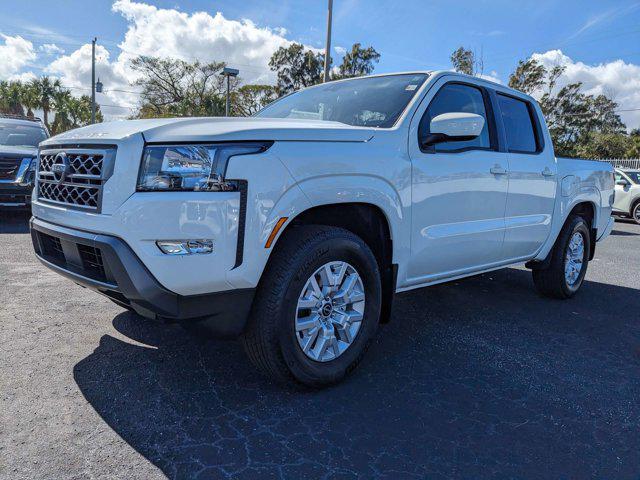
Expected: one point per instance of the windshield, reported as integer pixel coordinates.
(361, 102)
(16, 135)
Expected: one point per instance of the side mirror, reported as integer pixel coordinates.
(453, 127)
(622, 182)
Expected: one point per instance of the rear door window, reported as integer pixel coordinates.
(518, 123)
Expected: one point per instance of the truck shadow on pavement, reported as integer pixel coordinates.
(476, 378)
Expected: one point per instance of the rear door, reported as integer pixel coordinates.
(532, 177)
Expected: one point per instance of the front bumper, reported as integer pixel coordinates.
(109, 266)
(15, 195)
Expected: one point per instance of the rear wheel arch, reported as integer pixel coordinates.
(587, 210)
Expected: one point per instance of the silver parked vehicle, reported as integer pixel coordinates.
(627, 200)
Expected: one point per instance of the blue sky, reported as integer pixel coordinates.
(410, 34)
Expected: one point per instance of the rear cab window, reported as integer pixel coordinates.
(518, 118)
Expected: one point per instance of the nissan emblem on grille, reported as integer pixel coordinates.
(60, 167)
(74, 176)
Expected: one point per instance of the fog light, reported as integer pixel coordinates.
(185, 247)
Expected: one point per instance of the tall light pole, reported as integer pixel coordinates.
(93, 80)
(229, 72)
(327, 51)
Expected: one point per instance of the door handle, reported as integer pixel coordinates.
(547, 172)
(498, 170)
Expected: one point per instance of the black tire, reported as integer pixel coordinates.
(270, 338)
(635, 212)
(551, 281)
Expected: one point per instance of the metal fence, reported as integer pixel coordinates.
(623, 162)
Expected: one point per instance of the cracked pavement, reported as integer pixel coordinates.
(479, 378)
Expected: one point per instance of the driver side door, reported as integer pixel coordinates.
(459, 189)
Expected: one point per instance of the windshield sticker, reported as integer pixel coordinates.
(411, 88)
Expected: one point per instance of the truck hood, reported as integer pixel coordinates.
(168, 130)
(15, 151)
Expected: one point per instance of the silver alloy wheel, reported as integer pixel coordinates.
(636, 213)
(330, 311)
(574, 259)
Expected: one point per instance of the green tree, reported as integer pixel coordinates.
(72, 112)
(604, 145)
(11, 98)
(249, 99)
(296, 67)
(634, 144)
(61, 121)
(578, 123)
(177, 88)
(45, 89)
(357, 62)
(464, 61)
(29, 99)
(528, 77)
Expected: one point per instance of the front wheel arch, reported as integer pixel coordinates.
(367, 221)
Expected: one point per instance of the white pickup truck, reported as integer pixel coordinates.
(294, 229)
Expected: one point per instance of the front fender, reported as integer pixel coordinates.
(366, 189)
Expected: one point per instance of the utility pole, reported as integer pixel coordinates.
(327, 51)
(229, 72)
(93, 80)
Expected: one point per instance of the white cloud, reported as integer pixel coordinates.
(23, 77)
(492, 76)
(74, 71)
(171, 33)
(617, 80)
(200, 35)
(340, 50)
(15, 54)
(50, 49)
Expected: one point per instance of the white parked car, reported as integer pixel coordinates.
(627, 201)
(294, 229)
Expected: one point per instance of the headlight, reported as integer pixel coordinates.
(191, 167)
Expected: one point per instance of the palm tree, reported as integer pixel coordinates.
(62, 101)
(46, 89)
(10, 98)
(29, 98)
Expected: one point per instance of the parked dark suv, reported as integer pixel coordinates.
(19, 139)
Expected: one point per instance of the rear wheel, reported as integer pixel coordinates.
(317, 307)
(565, 273)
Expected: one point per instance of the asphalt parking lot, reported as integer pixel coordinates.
(480, 378)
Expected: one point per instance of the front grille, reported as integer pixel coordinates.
(75, 176)
(9, 168)
(74, 195)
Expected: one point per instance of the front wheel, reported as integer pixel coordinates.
(564, 275)
(317, 307)
(635, 213)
